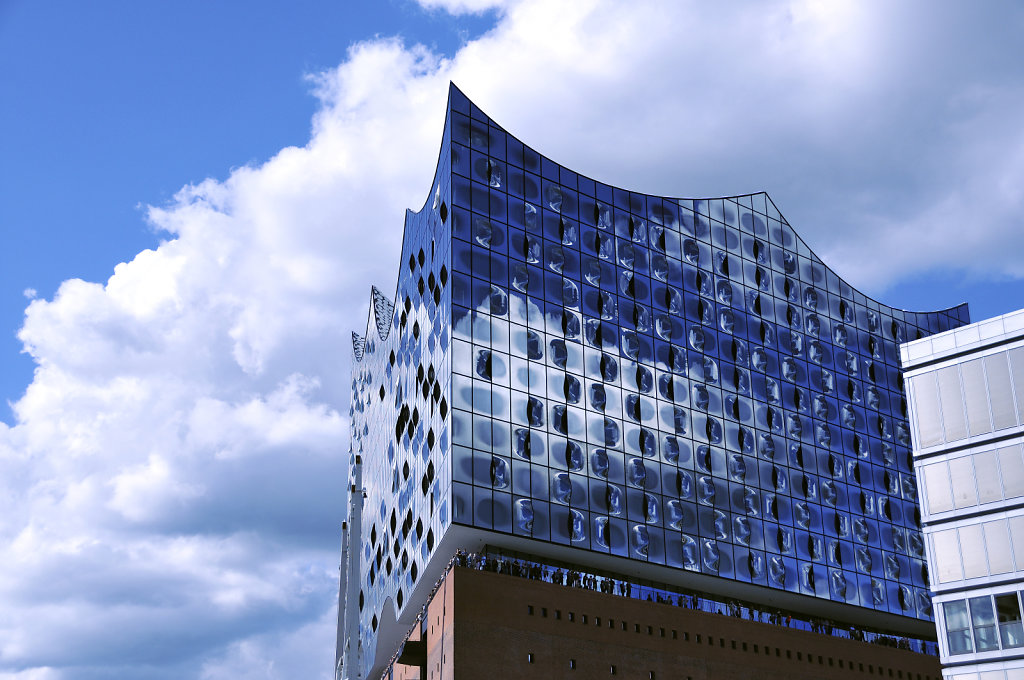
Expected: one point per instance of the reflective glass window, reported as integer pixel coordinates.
(1008, 616)
(961, 473)
(954, 420)
(1000, 391)
(554, 388)
(926, 406)
(958, 627)
(976, 397)
(937, 489)
(984, 623)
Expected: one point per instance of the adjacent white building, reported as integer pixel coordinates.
(966, 397)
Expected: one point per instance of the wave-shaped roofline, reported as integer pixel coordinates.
(454, 91)
(359, 343)
(814, 255)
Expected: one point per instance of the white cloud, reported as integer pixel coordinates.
(278, 657)
(143, 492)
(456, 7)
(175, 468)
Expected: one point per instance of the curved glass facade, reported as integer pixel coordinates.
(673, 381)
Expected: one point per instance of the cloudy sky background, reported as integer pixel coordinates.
(196, 200)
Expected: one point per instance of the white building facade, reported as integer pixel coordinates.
(966, 398)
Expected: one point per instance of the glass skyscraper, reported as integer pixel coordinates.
(966, 388)
(675, 389)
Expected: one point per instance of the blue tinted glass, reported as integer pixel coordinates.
(673, 381)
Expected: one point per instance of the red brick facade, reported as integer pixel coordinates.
(486, 625)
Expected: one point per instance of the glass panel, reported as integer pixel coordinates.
(972, 551)
(1011, 470)
(997, 541)
(987, 474)
(936, 485)
(1008, 616)
(926, 407)
(953, 418)
(962, 475)
(958, 629)
(976, 397)
(983, 618)
(959, 640)
(1017, 371)
(956, 615)
(947, 556)
(985, 638)
(1000, 391)
(1017, 539)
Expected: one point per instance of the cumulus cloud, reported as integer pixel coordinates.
(170, 492)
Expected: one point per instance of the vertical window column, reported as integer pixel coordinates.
(1008, 615)
(954, 419)
(983, 621)
(958, 627)
(976, 397)
(926, 407)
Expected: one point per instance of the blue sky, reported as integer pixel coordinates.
(200, 195)
(114, 107)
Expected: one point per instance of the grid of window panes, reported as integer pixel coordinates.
(975, 477)
(983, 624)
(969, 399)
(978, 549)
(676, 381)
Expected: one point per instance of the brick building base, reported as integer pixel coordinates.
(485, 625)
